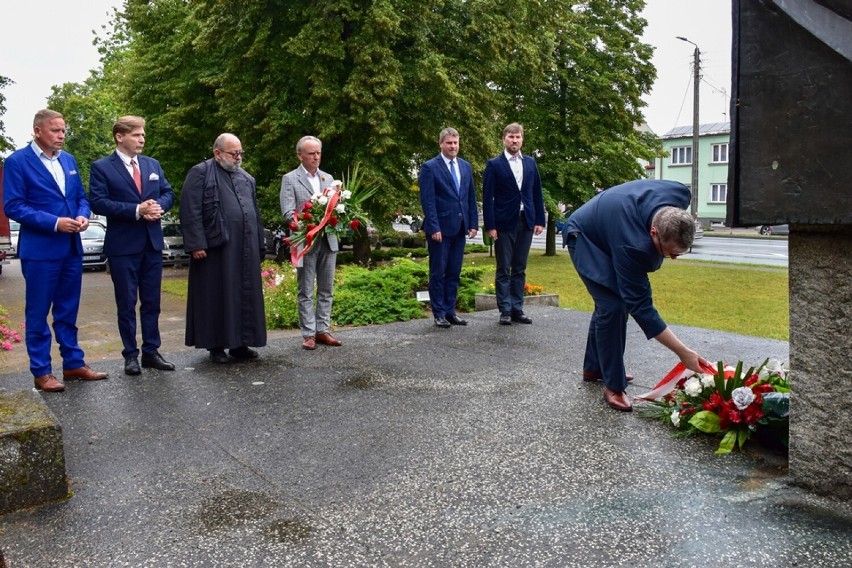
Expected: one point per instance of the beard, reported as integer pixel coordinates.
(229, 167)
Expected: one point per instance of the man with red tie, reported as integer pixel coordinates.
(43, 192)
(131, 190)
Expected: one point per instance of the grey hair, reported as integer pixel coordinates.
(449, 131)
(301, 143)
(44, 115)
(219, 144)
(675, 226)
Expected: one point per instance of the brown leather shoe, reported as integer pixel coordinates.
(309, 343)
(618, 400)
(84, 373)
(48, 383)
(328, 339)
(592, 376)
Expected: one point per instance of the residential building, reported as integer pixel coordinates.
(713, 147)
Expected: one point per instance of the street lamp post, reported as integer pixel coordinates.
(697, 81)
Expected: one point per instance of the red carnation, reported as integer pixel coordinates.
(306, 216)
(307, 206)
(354, 224)
(762, 388)
(294, 226)
(751, 380)
(311, 226)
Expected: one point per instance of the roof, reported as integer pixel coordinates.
(703, 130)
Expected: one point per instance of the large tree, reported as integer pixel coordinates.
(376, 80)
(6, 143)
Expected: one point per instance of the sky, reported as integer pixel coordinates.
(49, 42)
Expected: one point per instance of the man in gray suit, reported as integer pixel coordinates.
(317, 266)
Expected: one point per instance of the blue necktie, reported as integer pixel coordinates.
(455, 176)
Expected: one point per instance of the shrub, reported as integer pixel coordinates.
(381, 295)
(469, 286)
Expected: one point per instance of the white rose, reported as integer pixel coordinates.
(315, 197)
(773, 366)
(337, 183)
(693, 386)
(345, 194)
(708, 380)
(676, 418)
(341, 208)
(322, 200)
(742, 397)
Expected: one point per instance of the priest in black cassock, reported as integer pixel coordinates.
(223, 233)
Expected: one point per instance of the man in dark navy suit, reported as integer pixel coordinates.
(513, 211)
(448, 198)
(131, 190)
(615, 240)
(43, 192)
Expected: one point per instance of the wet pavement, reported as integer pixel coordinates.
(413, 446)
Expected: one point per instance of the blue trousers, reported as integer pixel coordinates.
(138, 277)
(607, 335)
(53, 286)
(512, 249)
(445, 264)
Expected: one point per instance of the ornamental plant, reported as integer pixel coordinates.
(726, 402)
(8, 334)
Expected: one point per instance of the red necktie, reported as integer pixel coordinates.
(137, 176)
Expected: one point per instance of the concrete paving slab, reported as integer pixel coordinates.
(413, 446)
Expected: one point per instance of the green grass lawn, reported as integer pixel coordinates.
(744, 299)
(740, 298)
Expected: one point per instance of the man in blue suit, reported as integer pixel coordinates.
(131, 190)
(513, 211)
(448, 198)
(43, 192)
(615, 240)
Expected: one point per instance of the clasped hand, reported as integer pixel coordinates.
(150, 210)
(69, 225)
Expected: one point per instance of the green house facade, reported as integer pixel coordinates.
(713, 147)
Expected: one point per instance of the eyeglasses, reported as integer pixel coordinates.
(235, 155)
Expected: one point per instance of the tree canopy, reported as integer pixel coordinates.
(377, 80)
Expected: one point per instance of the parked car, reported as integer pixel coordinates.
(93, 246)
(173, 251)
(275, 244)
(774, 229)
(14, 229)
(413, 221)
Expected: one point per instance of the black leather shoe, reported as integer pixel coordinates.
(219, 356)
(131, 366)
(243, 353)
(156, 361)
(455, 320)
(442, 323)
(505, 319)
(521, 317)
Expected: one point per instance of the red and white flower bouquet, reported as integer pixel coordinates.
(724, 401)
(334, 210)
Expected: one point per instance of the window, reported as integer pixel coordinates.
(719, 192)
(682, 155)
(720, 153)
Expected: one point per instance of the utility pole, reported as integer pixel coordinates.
(697, 82)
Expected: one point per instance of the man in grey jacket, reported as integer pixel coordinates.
(316, 267)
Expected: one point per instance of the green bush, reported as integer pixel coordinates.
(381, 295)
(469, 286)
